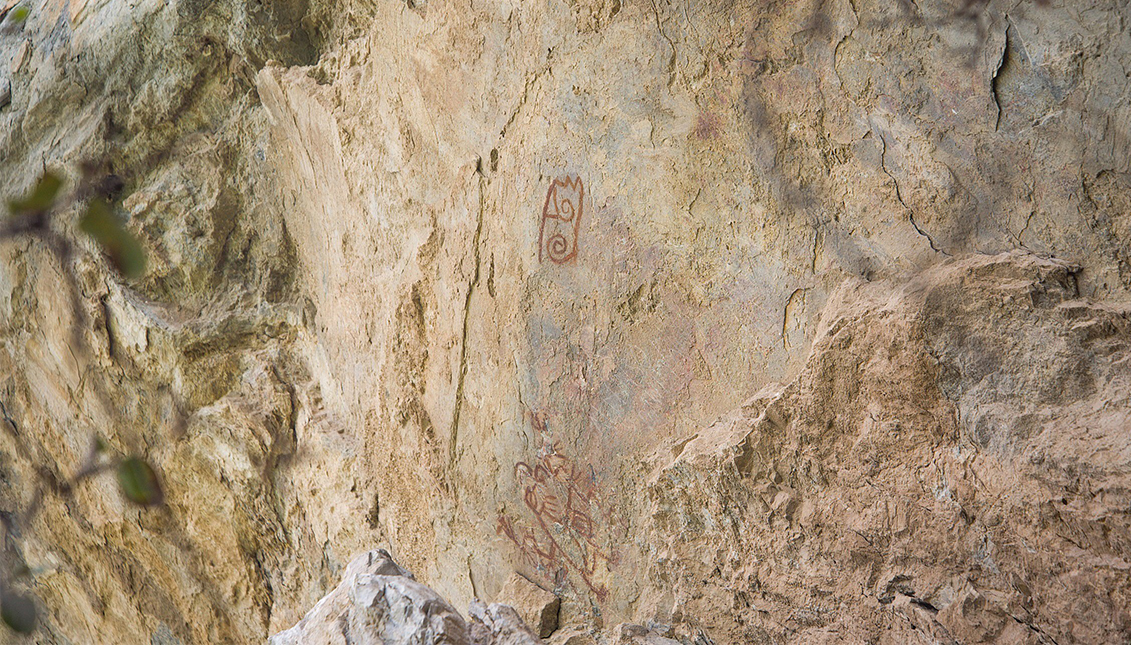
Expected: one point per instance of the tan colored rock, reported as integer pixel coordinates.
(19, 57)
(628, 634)
(933, 452)
(537, 607)
(573, 636)
(759, 371)
(497, 624)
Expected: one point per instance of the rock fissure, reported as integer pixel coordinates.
(462, 371)
(899, 195)
(671, 66)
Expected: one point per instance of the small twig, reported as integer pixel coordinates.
(23, 224)
(38, 224)
(89, 468)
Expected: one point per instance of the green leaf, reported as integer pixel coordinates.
(18, 612)
(20, 14)
(41, 198)
(119, 244)
(139, 482)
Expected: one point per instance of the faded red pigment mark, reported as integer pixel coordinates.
(559, 494)
(561, 220)
(708, 125)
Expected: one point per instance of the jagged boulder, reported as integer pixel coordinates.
(379, 603)
(536, 606)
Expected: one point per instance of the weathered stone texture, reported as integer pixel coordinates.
(747, 321)
(537, 607)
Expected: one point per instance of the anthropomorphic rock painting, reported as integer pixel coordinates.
(563, 498)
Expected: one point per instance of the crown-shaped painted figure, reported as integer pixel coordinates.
(561, 220)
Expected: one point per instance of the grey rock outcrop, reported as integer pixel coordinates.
(378, 603)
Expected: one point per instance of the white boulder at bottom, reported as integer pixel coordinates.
(379, 603)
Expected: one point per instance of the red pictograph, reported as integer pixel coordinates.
(561, 220)
(562, 497)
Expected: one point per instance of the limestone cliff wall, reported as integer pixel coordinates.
(769, 321)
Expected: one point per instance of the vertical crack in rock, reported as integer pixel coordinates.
(525, 94)
(899, 195)
(785, 316)
(466, 317)
(1025, 228)
(660, 28)
(995, 78)
(816, 248)
(836, 49)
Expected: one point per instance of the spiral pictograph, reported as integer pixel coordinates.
(561, 220)
(565, 210)
(559, 248)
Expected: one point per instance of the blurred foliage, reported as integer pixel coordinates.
(18, 612)
(119, 244)
(98, 221)
(41, 198)
(139, 482)
(20, 14)
(32, 215)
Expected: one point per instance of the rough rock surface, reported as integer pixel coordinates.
(537, 607)
(379, 603)
(951, 465)
(507, 286)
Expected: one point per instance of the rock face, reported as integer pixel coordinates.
(926, 477)
(746, 321)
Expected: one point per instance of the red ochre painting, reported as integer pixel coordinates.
(561, 220)
(561, 497)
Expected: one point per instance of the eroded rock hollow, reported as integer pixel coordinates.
(744, 321)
